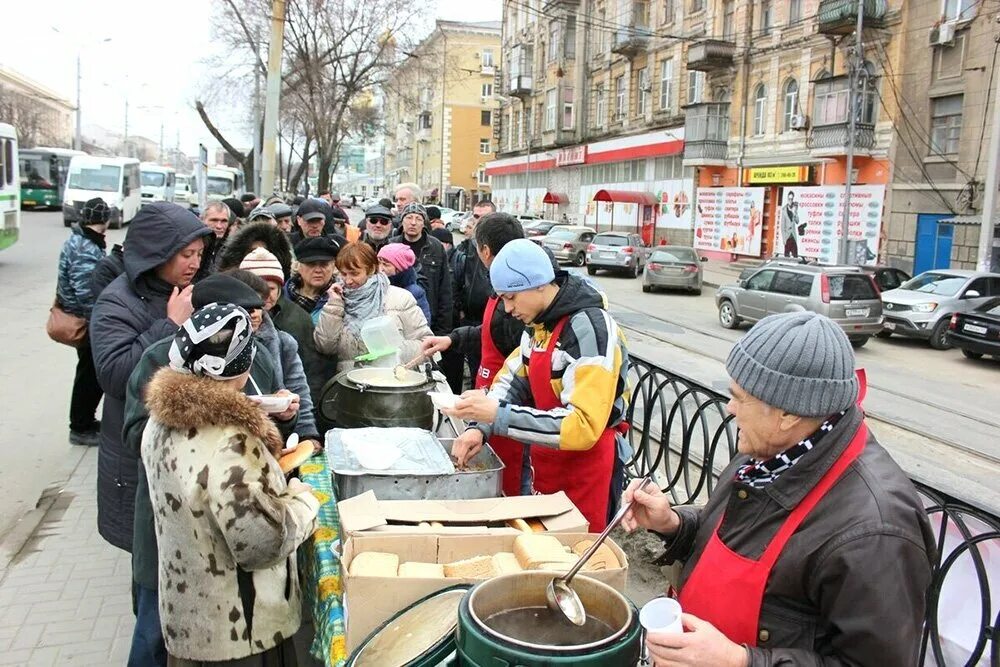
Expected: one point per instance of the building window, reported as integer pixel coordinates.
(794, 11)
(621, 104)
(759, 110)
(553, 41)
(696, 86)
(600, 106)
(697, 6)
(518, 128)
(487, 57)
(667, 85)
(644, 90)
(668, 11)
(424, 121)
(946, 124)
(729, 21)
(484, 147)
(487, 90)
(958, 10)
(766, 17)
(791, 100)
(602, 32)
(569, 40)
(550, 110)
(567, 116)
(481, 177)
(486, 117)
(832, 98)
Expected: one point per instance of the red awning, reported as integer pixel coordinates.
(555, 198)
(624, 196)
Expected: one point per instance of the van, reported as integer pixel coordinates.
(184, 191)
(158, 183)
(223, 183)
(116, 180)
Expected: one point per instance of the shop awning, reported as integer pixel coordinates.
(626, 197)
(555, 198)
(962, 220)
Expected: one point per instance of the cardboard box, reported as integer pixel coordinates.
(371, 601)
(367, 514)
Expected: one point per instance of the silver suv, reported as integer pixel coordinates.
(617, 251)
(923, 306)
(845, 294)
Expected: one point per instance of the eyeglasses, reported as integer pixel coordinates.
(379, 221)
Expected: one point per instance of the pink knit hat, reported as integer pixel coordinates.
(399, 255)
(263, 263)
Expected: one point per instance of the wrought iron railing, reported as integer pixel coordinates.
(836, 136)
(682, 432)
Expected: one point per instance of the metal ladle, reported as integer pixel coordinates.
(559, 595)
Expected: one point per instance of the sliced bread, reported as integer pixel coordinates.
(477, 567)
(603, 559)
(375, 564)
(422, 570)
(534, 549)
(506, 563)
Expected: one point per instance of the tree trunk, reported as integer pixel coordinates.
(323, 177)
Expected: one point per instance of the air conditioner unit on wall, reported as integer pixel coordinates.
(799, 122)
(943, 35)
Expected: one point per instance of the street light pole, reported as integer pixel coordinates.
(78, 139)
(267, 170)
(854, 63)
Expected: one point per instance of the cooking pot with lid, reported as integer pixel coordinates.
(506, 619)
(375, 397)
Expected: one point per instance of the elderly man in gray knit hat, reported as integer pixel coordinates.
(814, 548)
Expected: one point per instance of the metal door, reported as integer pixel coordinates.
(933, 243)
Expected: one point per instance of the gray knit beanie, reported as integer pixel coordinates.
(799, 362)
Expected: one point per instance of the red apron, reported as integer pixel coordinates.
(491, 361)
(727, 589)
(585, 476)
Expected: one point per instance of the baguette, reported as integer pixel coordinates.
(375, 564)
(506, 563)
(422, 570)
(603, 559)
(477, 567)
(519, 524)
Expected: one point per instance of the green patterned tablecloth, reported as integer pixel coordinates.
(321, 581)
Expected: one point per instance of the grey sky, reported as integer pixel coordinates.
(155, 59)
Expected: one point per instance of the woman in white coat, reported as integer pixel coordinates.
(362, 293)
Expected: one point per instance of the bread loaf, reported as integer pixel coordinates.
(478, 567)
(506, 563)
(603, 559)
(375, 564)
(422, 570)
(519, 524)
(535, 552)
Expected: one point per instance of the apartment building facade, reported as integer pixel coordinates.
(42, 117)
(439, 108)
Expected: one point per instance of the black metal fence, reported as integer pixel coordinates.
(682, 432)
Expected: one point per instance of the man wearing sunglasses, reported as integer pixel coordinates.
(378, 227)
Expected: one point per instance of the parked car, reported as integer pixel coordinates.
(845, 294)
(886, 277)
(539, 227)
(568, 243)
(923, 306)
(368, 203)
(977, 333)
(617, 251)
(673, 266)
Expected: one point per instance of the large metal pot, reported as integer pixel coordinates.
(481, 643)
(367, 397)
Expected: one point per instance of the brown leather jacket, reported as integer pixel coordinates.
(850, 586)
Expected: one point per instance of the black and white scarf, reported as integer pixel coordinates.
(188, 353)
(759, 474)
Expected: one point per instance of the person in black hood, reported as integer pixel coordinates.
(109, 268)
(163, 252)
(237, 207)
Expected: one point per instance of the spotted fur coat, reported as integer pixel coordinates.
(226, 525)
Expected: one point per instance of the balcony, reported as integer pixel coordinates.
(832, 139)
(840, 17)
(520, 85)
(706, 134)
(634, 35)
(707, 55)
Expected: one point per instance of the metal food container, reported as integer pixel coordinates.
(481, 480)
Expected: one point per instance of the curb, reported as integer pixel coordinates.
(13, 542)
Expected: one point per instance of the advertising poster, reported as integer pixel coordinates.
(729, 220)
(809, 222)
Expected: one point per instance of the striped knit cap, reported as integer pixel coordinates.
(799, 362)
(264, 264)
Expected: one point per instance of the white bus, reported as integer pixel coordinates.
(223, 182)
(158, 182)
(116, 180)
(10, 187)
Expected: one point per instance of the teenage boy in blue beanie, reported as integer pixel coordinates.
(562, 392)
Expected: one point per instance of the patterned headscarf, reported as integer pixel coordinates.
(193, 352)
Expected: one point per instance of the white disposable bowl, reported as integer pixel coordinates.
(661, 615)
(442, 399)
(272, 404)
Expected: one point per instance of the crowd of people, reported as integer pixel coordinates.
(191, 320)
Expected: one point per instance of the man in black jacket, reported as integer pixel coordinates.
(432, 265)
(471, 280)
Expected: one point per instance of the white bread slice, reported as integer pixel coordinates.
(375, 564)
(534, 549)
(477, 567)
(506, 563)
(603, 559)
(422, 570)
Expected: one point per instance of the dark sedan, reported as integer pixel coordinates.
(977, 333)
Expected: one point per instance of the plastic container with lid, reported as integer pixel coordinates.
(383, 341)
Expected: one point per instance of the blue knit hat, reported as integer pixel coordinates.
(519, 266)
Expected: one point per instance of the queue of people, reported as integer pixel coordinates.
(812, 522)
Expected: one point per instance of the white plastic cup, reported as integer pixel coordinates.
(661, 615)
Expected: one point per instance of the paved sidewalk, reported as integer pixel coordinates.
(65, 596)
